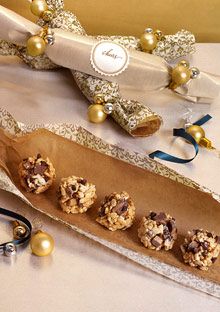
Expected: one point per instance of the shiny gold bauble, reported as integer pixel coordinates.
(196, 132)
(42, 244)
(96, 113)
(181, 75)
(148, 42)
(36, 46)
(38, 7)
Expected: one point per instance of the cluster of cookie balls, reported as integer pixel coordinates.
(117, 212)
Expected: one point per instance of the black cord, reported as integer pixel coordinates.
(22, 219)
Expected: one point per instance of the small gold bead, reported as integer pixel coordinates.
(180, 75)
(42, 244)
(196, 132)
(148, 42)
(36, 46)
(19, 231)
(99, 98)
(184, 63)
(38, 7)
(96, 113)
(159, 35)
(47, 16)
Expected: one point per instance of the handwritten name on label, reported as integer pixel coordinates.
(109, 58)
(110, 53)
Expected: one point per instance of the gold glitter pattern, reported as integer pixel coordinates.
(175, 46)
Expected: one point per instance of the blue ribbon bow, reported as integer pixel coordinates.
(183, 134)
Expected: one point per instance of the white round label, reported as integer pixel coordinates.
(109, 58)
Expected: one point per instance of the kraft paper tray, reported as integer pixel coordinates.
(152, 186)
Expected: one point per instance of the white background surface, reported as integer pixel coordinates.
(81, 275)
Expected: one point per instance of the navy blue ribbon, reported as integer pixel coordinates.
(183, 134)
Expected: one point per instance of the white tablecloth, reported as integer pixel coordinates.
(81, 275)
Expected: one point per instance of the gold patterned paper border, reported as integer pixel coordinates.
(85, 138)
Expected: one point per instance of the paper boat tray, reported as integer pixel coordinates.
(113, 169)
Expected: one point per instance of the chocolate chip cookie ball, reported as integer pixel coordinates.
(157, 231)
(76, 195)
(201, 249)
(36, 174)
(117, 211)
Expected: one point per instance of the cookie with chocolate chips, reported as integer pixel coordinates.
(117, 211)
(76, 195)
(201, 249)
(158, 231)
(36, 174)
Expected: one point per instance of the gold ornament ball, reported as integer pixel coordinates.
(42, 244)
(148, 42)
(36, 46)
(96, 113)
(181, 75)
(196, 132)
(38, 7)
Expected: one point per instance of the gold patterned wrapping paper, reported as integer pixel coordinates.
(187, 276)
(134, 117)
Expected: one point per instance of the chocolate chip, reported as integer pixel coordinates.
(102, 211)
(166, 232)
(73, 187)
(159, 217)
(46, 178)
(209, 234)
(30, 178)
(152, 215)
(196, 231)
(38, 155)
(150, 233)
(121, 207)
(156, 241)
(40, 168)
(82, 181)
(214, 260)
(193, 246)
(171, 226)
(205, 245)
